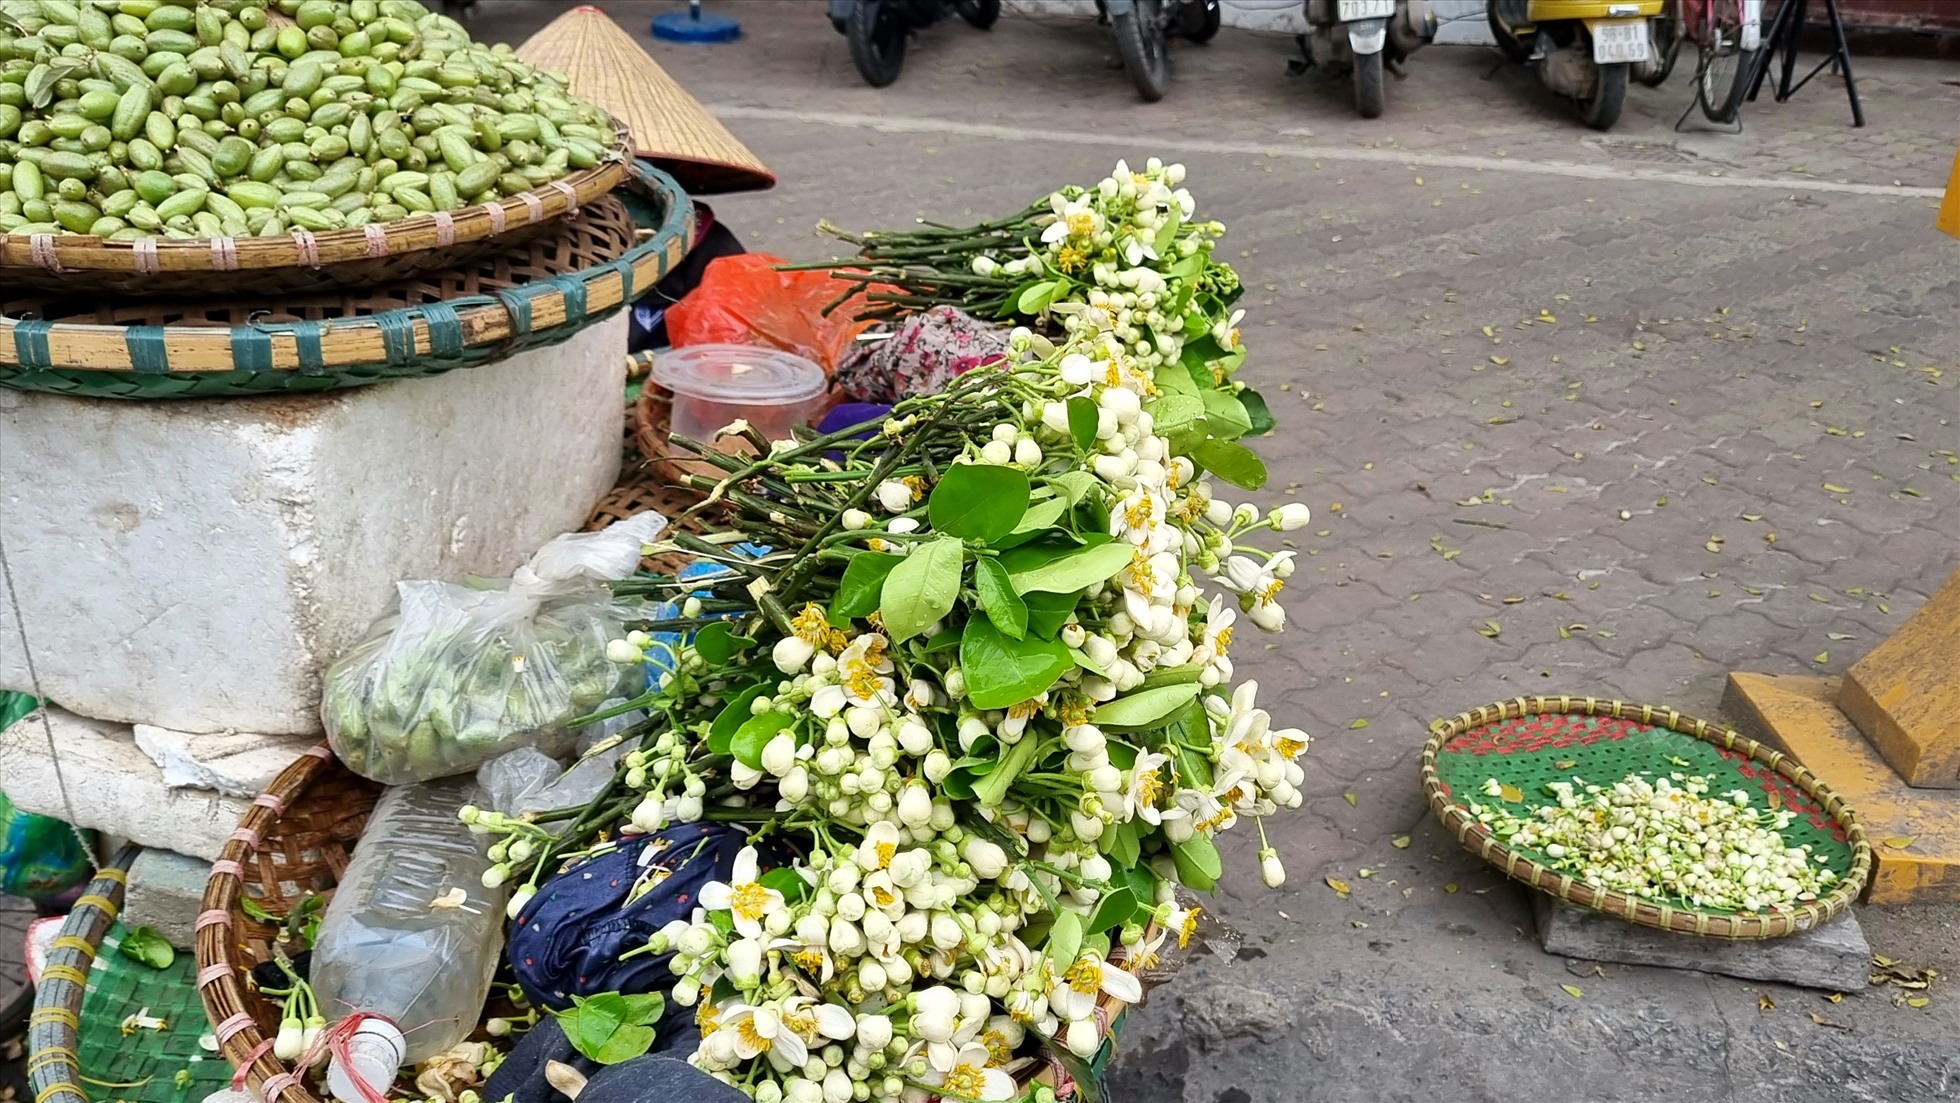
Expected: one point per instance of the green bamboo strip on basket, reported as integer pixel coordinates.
(1527, 741)
(271, 358)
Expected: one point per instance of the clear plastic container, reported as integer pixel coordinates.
(714, 385)
(394, 943)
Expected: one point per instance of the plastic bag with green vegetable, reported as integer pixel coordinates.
(463, 673)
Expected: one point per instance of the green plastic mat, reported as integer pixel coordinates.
(1528, 752)
(144, 1065)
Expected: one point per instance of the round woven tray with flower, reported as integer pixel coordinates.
(1529, 743)
(295, 841)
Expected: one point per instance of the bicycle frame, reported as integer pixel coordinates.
(1696, 14)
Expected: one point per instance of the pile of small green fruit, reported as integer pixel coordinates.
(182, 119)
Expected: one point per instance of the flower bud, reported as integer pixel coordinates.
(619, 651)
(792, 654)
(1291, 516)
(937, 765)
(914, 806)
(1270, 869)
(518, 899)
(1083, 1038)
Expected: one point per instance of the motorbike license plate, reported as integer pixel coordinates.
(1366, 9)
(1617, 42)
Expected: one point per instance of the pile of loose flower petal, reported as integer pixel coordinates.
(1666, 838)
(967, 674)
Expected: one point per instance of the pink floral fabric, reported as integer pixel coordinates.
(921, 356)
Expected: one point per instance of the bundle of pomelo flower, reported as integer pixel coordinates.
(1124, 257)
(969, 665)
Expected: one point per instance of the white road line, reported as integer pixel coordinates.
(1166, 142)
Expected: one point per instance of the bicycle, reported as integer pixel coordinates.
(1728, 37)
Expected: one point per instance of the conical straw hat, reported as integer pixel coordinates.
(669, 127)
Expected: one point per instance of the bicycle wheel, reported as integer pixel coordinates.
(1722, 78)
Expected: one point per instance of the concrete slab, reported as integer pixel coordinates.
(1915, 833)
(1834, 956)
(1904, 696)
(196, 564)
(107, 783)
(163, 893)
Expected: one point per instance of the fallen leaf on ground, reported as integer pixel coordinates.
(1511, 793)
(1340, 887)
(1764, 1003)
(1901, 842)
(1357, 725)
(1399, 842)
(1349, 797)
(1574, 991)
(1822, 1021)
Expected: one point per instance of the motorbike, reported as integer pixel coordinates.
(1143, 29)
(878, 30)
(1584, 50)
(1363, 36)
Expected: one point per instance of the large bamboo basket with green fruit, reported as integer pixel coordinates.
(160, 147)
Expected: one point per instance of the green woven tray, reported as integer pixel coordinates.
(1529, 741)
(207, 361)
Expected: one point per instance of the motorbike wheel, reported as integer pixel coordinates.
(877, 36)
(979, 13)
(1512, 47)
(1140, 41)
(1602, 110)
(1667, 47)
(1201, 27)
(1368, 91)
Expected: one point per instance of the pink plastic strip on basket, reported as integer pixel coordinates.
(445, 228)
(307, 246)
(377, 240)
(224, 254)
(145, 253)
(497, 217)
(267, 800)
(212, 973)
(321, 751)
(227, 1030)
(41, 248)
(571, 197)
(276, 1083)
(216, 917)
(534, 205)
(246, 835)
(225, 867)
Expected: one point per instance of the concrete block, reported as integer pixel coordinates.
(1834, 956)
(197, 564)
(164, 890)
(236, 764)
(110, 785)
(1794, 713)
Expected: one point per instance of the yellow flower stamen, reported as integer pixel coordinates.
(1141, 576)
(1289, 748)
(916, 484)
(1137, 516)
(1084, 976)
(752, 1037)
(1222, 642)
(810, 961)
(1081, 224)
(886, 851)
(749, 900)
(1149, 787)
(998, 1051)
(1071, 259)
(812, 625)
(966, 1081)
(863, 683)
(707, 1017)
(1190, 928)
(1074, 712)
(1268, 593)
(1024, 710)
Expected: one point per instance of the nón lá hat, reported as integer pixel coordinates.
(669, 127)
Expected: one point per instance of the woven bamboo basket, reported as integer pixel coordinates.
(89, 991)
(296, 839)
(304, 261)
(1527, 740)
(537, 293)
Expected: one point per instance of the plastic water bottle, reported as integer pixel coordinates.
(398, 945)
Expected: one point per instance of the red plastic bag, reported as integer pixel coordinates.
(744, 300)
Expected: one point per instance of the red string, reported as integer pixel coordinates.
(337, 1040)
(245, 1066)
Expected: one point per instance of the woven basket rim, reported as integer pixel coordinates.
(54, 1069)
(47, 256)
(1479, 840)
(355, 342)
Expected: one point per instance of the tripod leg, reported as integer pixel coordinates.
(1844, 59)
(1766, 54)
(1792, 34)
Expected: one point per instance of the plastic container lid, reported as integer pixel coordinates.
(748, 375)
